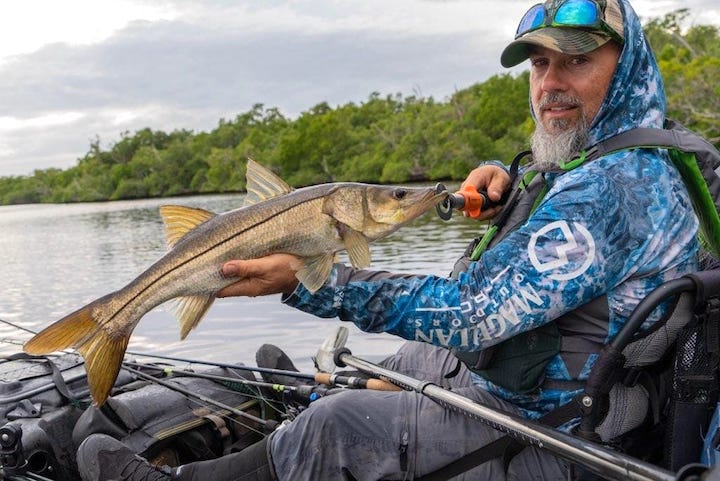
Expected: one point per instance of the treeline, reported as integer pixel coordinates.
(386, 139)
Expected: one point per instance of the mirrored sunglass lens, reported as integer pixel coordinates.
(577, 12)
(532, 19)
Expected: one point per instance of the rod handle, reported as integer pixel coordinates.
(382, 385)
(374, 384)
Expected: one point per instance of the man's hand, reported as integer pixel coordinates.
(492, 179)
(260, 277)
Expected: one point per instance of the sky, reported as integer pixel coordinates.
(79, 71)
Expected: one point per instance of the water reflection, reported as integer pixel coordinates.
(56, 258)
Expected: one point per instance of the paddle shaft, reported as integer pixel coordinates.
(594, 457)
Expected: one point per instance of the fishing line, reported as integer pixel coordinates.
(251, 388)
(16, 326)
(269, 424)
(300, 390)
(265, 370)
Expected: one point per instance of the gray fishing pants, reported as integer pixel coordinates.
(368, 435)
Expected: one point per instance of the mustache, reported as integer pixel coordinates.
(559, 98)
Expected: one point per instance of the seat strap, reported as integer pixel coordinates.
(55, 375)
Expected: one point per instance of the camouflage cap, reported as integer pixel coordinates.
(570, 40)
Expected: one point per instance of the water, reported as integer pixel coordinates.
(56, 258)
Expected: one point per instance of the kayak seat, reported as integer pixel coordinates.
(652, 392)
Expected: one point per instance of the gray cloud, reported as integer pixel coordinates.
(182, 76)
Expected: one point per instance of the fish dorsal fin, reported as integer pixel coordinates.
(179, 220)
(357, 248)
(263, 184)
(190, 310)
(315, 271)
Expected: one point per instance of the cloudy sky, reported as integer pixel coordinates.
(77, 70)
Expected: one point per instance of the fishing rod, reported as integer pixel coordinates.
(319, 377)
(594, 457)
(306, 392)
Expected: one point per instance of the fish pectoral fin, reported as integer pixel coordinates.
(190, 310)
(179, 220)
(84, 330)
(262, 184)
(357, 248)
(315, 271)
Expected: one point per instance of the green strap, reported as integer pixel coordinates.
(702, 199)
(539, 198)
(574, 163)
(484, 242)
(527, 178)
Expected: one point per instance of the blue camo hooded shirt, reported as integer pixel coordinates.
(618, 226)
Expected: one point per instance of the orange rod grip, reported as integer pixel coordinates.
(473, 201)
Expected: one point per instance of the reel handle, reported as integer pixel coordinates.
(468, 199)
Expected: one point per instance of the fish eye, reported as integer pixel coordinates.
(400, 194)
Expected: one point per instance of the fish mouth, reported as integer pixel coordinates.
(427, 201)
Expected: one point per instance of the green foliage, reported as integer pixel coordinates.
(383, 139)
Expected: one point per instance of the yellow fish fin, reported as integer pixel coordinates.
(179, 220)
(357, 248)
(102, 349)
(190, 310)
(315, 271)
(263, 184)
(103, 359)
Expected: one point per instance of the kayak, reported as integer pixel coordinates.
(171, 414)
(174, 414)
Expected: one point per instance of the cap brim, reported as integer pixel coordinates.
(566, 40)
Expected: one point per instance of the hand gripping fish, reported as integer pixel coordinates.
(313, 223)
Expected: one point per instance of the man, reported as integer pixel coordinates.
(554, 285)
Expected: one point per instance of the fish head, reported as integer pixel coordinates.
(378, 210)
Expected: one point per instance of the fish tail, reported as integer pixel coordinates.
(85, 331)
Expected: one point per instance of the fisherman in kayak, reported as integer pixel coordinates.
(526, 312)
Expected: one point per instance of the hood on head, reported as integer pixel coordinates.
(636, 96)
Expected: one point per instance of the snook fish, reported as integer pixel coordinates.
(313, 223)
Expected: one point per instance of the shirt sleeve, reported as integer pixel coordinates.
(588, 235)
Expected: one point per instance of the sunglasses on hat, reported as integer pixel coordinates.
(583, 14)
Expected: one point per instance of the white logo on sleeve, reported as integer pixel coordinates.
(564, 242)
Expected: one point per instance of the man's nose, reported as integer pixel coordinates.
(554, 79)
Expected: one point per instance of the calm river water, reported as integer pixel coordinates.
(56, 258)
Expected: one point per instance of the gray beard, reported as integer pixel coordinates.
(550, 150)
